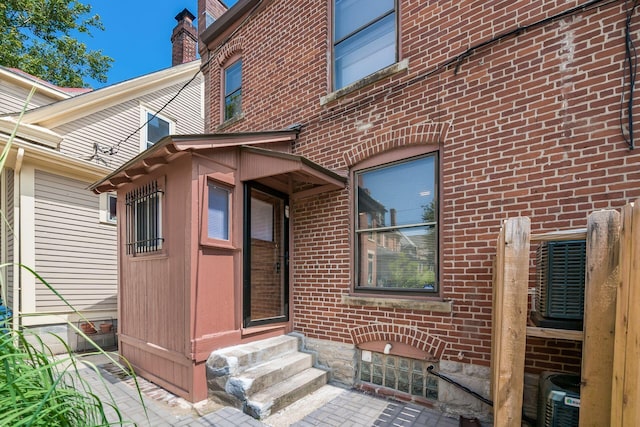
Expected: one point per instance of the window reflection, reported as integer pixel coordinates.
(397, 226)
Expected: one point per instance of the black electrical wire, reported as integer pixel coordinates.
(114, 149)
(458, 59)
(631, 65)
(516, 31)
(483, 399)
(430, 369)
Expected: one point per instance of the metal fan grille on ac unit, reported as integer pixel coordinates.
(560, 279)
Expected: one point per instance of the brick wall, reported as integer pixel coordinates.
(215, 8)
(528, 125)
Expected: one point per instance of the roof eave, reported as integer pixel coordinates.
(168, 146)
(54, 93)
(227, 20)
(64, 111)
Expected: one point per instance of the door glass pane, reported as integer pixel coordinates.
(261, 220)
(268, 272)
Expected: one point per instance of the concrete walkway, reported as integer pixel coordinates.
(329, 406)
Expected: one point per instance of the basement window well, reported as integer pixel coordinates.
(398, 373)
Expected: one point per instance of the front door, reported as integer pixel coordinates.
(266, 256)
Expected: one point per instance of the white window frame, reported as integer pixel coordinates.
(226, 219)
(105, 212)
(144, 140)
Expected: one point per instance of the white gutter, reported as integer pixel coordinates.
(20, 80)
(59, 113)
(17, 297)
(42, 156)
(33, 133)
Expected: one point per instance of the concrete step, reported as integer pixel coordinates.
(264, 375)
(276, 397)
(235, 360)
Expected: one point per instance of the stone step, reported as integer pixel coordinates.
(235, 360)
(276, 397)
(262, 376)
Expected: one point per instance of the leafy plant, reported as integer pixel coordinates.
(40, 389)
(37, 36)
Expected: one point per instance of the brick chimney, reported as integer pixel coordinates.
(184, 39)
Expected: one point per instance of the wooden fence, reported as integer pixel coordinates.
(610, 392)
(625, 395)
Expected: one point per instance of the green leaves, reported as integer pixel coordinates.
(37, 36)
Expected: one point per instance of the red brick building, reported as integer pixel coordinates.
(445, 118)
(516, 108)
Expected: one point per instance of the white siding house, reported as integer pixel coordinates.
(54, 224)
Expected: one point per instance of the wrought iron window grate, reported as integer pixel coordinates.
(144, 219)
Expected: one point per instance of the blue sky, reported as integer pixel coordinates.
(137, 35)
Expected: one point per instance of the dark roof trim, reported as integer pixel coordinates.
(279, 169)
(227, 20)
(173, 144)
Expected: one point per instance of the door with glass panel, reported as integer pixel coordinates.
(266, 256)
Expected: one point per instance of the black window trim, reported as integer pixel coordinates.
(389, 292)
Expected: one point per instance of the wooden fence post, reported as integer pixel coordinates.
(601, 281)
(625, 393)
(510, 321)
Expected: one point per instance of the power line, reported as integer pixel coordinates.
(114, 149)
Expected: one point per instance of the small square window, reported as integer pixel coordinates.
(155, 127)
(112, 202)
(108, 206)
(233, 90)
(218, 213)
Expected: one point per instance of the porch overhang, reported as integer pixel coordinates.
(292, 174)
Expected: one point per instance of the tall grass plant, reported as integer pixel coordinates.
(40, 389)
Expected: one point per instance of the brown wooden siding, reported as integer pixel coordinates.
(154, 294)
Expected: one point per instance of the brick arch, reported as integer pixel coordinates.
(424, 133)
(401, 334)
(228, 50)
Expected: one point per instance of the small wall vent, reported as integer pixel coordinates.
(560, 273)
